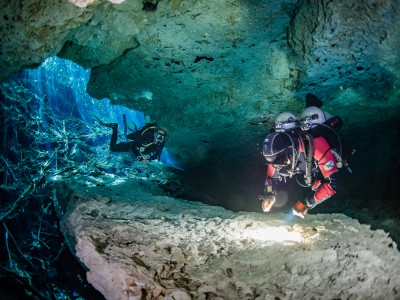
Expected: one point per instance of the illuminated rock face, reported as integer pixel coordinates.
(140, 246)
(85, 3)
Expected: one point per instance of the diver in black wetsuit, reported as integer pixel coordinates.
(147, 143)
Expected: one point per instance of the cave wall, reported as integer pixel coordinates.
(216, 73)
(347, 52)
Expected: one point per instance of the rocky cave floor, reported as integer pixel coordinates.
(161, 180)
(168, 181)
(104, 206)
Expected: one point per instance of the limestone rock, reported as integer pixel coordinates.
(217, 71)
(33, 30)
(84, 3)
(141, 246)
(347, 52)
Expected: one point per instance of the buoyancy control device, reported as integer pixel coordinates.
(329, 130)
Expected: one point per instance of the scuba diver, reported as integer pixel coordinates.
(309, 146)
(147, 142)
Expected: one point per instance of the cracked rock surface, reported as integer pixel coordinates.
(138, 245)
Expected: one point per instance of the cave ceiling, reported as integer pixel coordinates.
(216, 73)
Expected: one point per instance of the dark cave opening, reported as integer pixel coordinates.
(368, 192)
(149, 6)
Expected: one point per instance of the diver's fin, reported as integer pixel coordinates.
(134, 128)
(99, 121)
(312, 100)
(110, 125)
(125, 127)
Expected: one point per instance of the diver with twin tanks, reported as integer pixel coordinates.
(309, 145)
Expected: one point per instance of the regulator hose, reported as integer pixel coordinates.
(309, 158)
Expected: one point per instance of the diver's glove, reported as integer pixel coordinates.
(267, 202)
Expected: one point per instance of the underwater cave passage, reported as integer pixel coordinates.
(53, 139)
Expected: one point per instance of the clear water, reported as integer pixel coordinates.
(48, 132)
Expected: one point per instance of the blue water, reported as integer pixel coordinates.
(45, 115)
(63, 84)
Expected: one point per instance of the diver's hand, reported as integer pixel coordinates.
(267, 203)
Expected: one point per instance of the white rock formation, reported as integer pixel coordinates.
(140, 246)
(81, 3)
(84, 3)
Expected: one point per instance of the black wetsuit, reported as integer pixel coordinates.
(142, 144)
